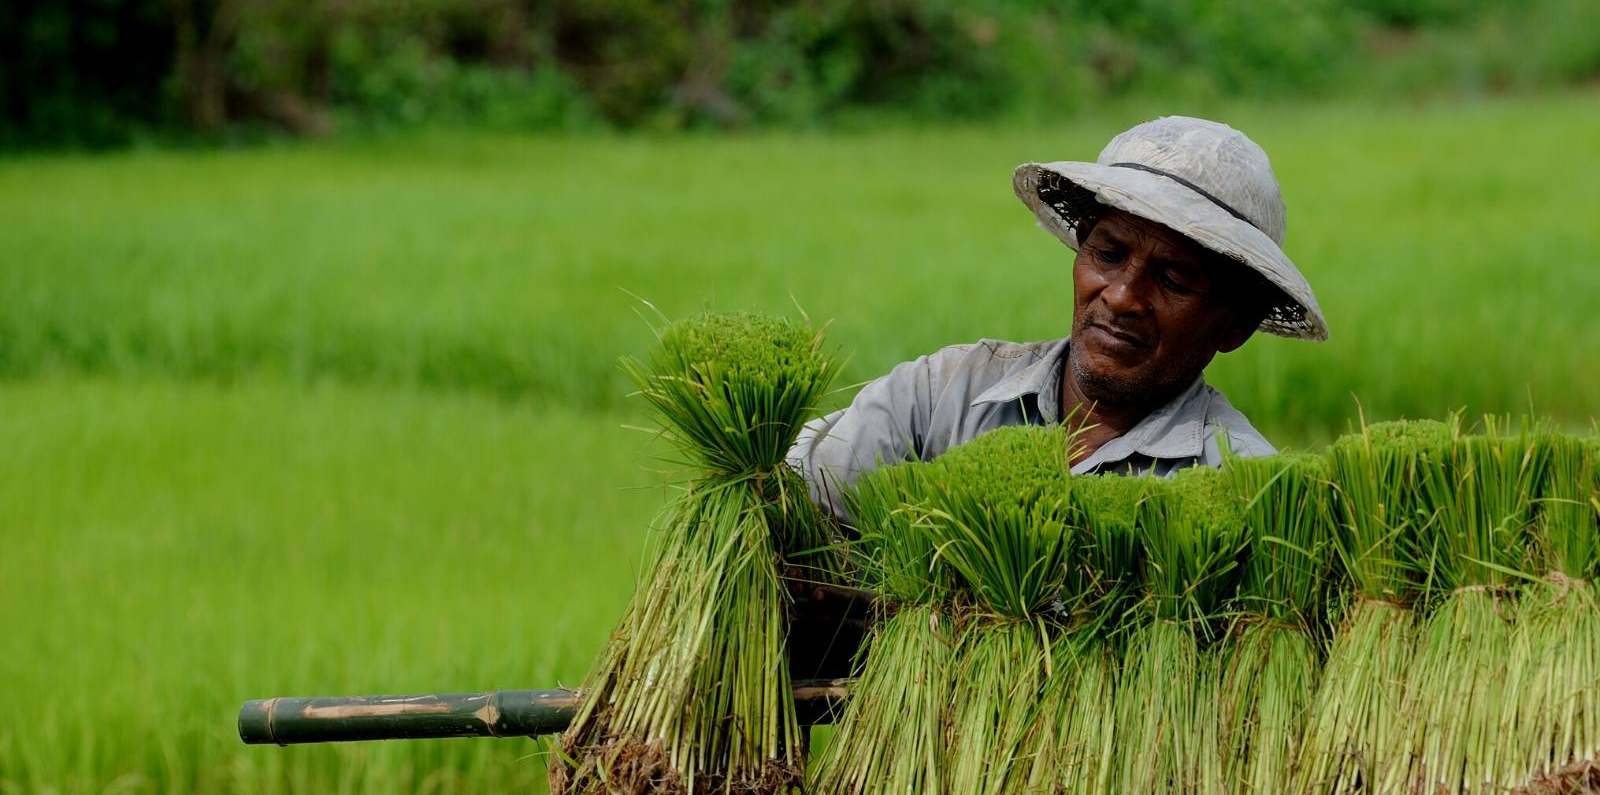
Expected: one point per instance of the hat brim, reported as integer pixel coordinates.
(1157, 198)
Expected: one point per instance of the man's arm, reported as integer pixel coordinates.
(885, 424)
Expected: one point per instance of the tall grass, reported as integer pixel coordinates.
(1005, 584)
(891, 735)
(511, 265)
(1000, 515)
(344, 418)
(172, 551)
(1088, 739)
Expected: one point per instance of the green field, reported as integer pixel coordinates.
(346, 417)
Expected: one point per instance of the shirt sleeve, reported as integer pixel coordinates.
(885, 424)
(1229, 432)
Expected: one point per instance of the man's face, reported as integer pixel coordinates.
(1149, 312)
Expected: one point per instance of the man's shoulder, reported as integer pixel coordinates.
(975, 366)
(1001, 352)
(1228, 425)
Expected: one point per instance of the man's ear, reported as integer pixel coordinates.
(1236, 336)
(1249, 310)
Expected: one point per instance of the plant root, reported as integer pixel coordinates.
(1581, 777)
(629, 766)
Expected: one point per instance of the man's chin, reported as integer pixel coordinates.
(1101, 381)
(1110, 390)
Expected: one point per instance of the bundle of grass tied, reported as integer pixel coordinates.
(1479, 490)
(1082, 699)
(1192, 532)
(891, 735)
(1556, 695)
(1355, 737)
(980, 544)
(692, 694)
(1000, 514)
(1270, 661)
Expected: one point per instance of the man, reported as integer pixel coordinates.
(1177, 228)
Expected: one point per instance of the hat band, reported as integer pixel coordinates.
(1190, 186)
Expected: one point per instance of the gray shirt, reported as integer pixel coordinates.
(927, 406)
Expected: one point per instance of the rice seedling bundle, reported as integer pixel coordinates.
(692, 694)
(891, 735)
(999, 514)
(1002, 625)
(1557, 639)
(1192, 533)
(1479, 490)
(1355, 736)
(985, 532)
(1270, 661)
(1083, 700)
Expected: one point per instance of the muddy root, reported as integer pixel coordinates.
(1575, 778)
(627, 766)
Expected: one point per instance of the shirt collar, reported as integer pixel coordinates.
(1175, 430)
(1041, 379)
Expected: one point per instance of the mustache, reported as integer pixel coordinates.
(1110, 325)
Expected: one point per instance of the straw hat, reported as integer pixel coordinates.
(1202, 179)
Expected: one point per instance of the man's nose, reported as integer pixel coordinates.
(1127, 292)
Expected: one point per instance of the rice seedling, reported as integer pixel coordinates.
(1079, 756)
(1355, 734)
(989, 542)
(1557, 638)
(1480, 492)
(999, 514)
(999, 669)
(1270, 662)
(891, 736)
(1083, 700)
(693, 692)
(1192, 533)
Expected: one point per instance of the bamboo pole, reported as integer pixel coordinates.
(495, 713)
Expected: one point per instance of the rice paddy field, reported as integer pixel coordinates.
(346, 418)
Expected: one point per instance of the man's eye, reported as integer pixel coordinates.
(1110, 254)
(1179, 282)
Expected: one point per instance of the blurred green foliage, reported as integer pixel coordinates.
(103, 72)
(517, 266)
(345, 417)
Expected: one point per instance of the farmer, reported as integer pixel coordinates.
(1177, 231)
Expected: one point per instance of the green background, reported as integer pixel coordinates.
(345, 417)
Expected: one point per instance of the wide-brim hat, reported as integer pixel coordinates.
(1202, 179)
